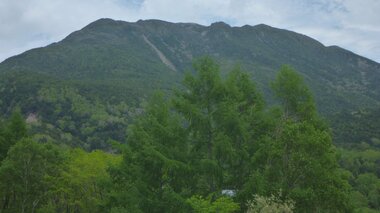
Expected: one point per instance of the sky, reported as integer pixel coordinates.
(351, 24)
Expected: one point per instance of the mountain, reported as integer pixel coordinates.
(87, 87)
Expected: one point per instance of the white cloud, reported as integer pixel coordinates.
(351, 24)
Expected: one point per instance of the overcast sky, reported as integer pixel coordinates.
(351, 24)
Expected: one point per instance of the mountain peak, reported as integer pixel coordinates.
(262, 26)
(220, 24)
(154, 22)
(101, 22)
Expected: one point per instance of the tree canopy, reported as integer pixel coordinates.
(211, 146)
(216, 134)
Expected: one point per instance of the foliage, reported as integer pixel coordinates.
(294, 95)
(151, 175)
(83, 184)
(27, 175)
(217, 130)
(221, 205)
(261, 204)
(42, 177)
(219, 114)
(355, 129)
(184, 151)
(364, 173)
(80, 121)
(298, 157)
(13, 131)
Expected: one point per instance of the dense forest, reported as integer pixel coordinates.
(212, 145)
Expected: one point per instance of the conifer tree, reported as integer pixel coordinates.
(152, 176)
(300, 158)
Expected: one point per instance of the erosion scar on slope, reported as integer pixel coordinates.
(160, 54)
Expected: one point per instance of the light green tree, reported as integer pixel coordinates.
(294, 95)
(221, 205)
(261, 204)
(28, 174)
(83, 184)
(13, 130)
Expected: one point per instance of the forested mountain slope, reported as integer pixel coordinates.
(87, 87)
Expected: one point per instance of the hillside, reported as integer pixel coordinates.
(87, 87)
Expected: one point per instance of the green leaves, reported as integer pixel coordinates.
(263, 204)
(28, 174)
(364, 167)
(13, 130)
(85, 181)
(299, 157)
(154, 167)
(197, 142)
(222, 205)
(294, 95)
(79, 120)
(214, 135)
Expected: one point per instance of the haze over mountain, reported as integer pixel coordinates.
(103, 71)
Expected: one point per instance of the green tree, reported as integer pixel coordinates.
(13, 131)
(83, 184)
(219, 114)
(364, 167)
(368, 184)
(300, 159)
(152, 176)
(215, 134)
(28, 174)
(296, 99)
(197, 143)
(261, 204)
(221, 205)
